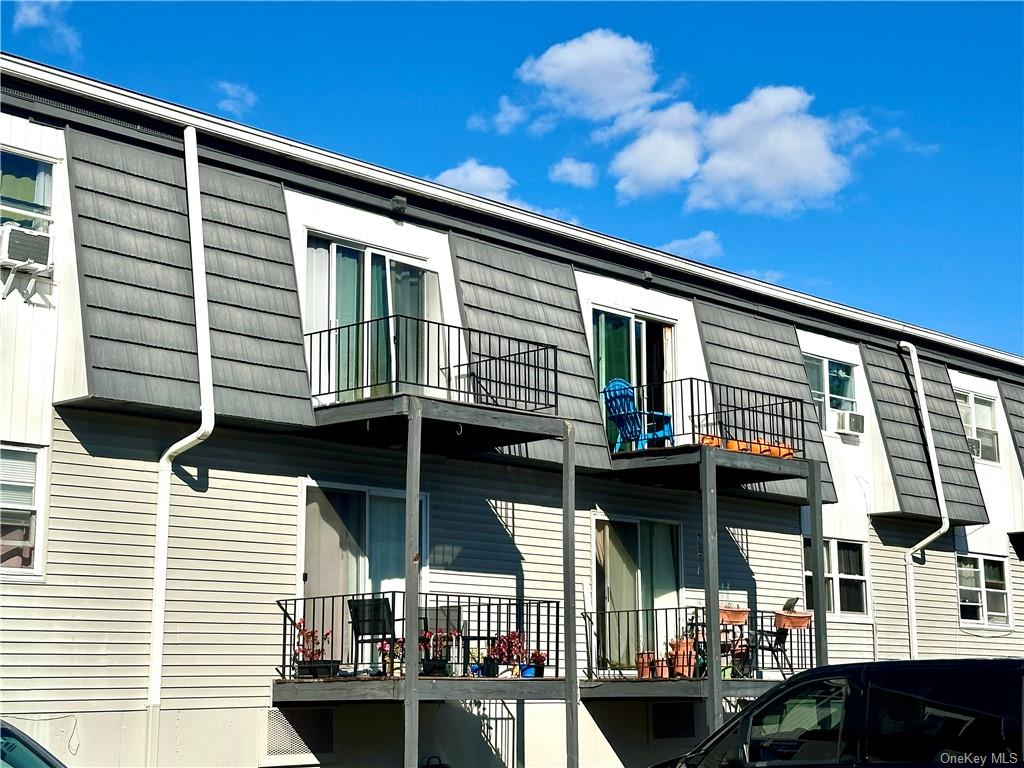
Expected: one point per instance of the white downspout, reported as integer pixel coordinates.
(940, 496)
(163, 490)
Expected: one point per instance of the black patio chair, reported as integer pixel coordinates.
(373, 621)
(777, 643)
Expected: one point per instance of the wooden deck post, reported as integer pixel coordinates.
(412, 583)
(572, 688)
(712, 630)
(817, 564)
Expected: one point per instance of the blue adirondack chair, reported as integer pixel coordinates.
(631, 424)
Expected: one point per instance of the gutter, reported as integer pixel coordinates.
(206, 424)
(933, 461)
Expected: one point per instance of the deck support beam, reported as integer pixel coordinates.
(817, 564)
(572, 687)
(712, 630)
(412, 582)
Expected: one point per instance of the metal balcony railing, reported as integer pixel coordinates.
(697, 412)
(399, 354)
(659, 643)
(364, 634)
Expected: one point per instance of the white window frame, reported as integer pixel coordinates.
(29, 155)
(367, 491)
(826, 396)
(980, 570)
(41, 509)
(971, 430)
(833, 576)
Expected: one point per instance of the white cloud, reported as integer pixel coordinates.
(237, 98)
(704, 246)
(597, 76)
(508, 116)
(574, 172)
(666, 153)
(544, 124)
(494, 183)
(768, 154)
(49, 17)
(766, 275)
(471, 176)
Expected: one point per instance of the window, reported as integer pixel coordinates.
(983, 589)
(979, 417)
(846, 581)
(19, 508)
(806, 725)
(25, 188)
(831, 385)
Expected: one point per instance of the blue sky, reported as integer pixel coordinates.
(871, 154)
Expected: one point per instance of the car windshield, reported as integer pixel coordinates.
(16, 752)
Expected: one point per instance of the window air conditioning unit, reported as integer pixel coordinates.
(24, 252)
(975, 445)
(849, 423)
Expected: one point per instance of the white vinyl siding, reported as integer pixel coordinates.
(80, 641)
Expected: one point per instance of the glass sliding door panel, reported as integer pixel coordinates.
(613, 357)
(348, 313)
(415, 297)
(618, 575)
(379, 331)
(318, 315)
(385, 544)
(659, 584)
(335, 556)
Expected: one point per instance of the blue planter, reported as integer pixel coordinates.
(527, 670)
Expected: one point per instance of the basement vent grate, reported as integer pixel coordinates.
(300, 731)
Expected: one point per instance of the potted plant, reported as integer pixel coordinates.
(390, 654)
(436, 648)
(644, 660)
(792, 620)
(537, 660)
(309, 652)
(681, 656)
(732, 614)
(508, 649)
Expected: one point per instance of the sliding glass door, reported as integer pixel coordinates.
(352, 295)
(638, 588)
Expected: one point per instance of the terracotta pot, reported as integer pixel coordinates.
(644, 659)
(660, 669)
(683, 658)
(792, 620)
(733, 616)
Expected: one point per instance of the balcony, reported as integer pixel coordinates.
(353, 647)
(692, 411)
(656, 431)
(486, 389)
(664, 651)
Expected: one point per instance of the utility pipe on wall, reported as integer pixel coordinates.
(206, 424)
(940, 496)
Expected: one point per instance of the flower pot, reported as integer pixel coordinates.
(644, 659)
(490, 667)
(683, 659)
(434, 668)
(733, 616)
(538, 670)
(527, 670)
(792, 620)
(476, 670)
(659, 669)
(317, 670)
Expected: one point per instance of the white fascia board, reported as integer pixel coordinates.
(39, 73)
